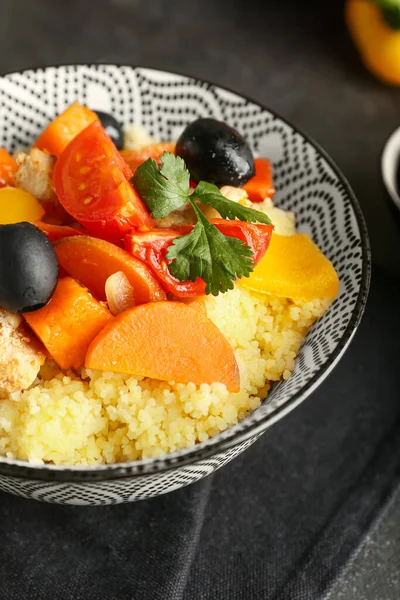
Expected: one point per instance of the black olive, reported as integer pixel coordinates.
(112, 127)
(28, 268)
(215, 152)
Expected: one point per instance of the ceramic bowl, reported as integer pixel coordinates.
(390, 164)
(308, 183)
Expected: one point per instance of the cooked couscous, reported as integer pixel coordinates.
(108, 417)
(84, 416)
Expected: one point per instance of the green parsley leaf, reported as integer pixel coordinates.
(205, 252)
(208, 193)
(391, 12)
(162, 190)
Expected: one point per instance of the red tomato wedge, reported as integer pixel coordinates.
(151, 247)
(260, 186)
(91, 182)
(255, 235)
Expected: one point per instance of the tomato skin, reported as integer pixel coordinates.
(255, 235)
(8, 167)
(260, 186)
(91, 182)
(132, 213)
(135, 158)
(151, 245)
(58, 232)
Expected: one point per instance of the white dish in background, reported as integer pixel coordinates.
(390, 164)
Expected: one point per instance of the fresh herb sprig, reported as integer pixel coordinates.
(204, 252)
(163, 189)
(207, 253)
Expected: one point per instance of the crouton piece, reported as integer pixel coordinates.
(35, 175)
(136, 137)
(185, 215)
(236, 194)
(20, 358)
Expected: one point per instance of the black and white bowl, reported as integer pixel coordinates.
(308, 183)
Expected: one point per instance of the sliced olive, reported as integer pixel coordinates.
(28, 268)
(112, 127)
(215, 152)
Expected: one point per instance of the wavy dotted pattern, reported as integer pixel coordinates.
(117, 491)
(307, 184)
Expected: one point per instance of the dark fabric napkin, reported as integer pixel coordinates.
(277, 523)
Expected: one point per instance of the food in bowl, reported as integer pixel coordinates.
(182, 292)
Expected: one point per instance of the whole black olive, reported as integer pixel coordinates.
(215, 152)
(112, 127)
(28, 268)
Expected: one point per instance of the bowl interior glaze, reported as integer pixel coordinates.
(307, 182)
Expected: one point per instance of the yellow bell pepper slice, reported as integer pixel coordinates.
(16, 205)
(294, 267)
(377, 38)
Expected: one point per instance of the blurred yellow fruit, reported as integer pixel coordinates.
(377, 41)
(17, 205)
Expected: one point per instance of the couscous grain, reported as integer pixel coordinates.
(106, 417)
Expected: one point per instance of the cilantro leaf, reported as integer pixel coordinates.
(174, 169)
(205, 252)
(162, 190)
(208, 193)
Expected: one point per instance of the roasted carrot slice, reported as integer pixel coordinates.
(197, 302)
(261, 185)
(168, 341)
(91, 261)
(134, 158)
(8, 166)
(58, 232)
(68, 323)
(64, 128)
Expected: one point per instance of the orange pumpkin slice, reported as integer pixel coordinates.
(168, 341)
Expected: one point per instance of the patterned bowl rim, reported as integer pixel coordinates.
(25, 470)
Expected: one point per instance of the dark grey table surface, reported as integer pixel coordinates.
(340, 451)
